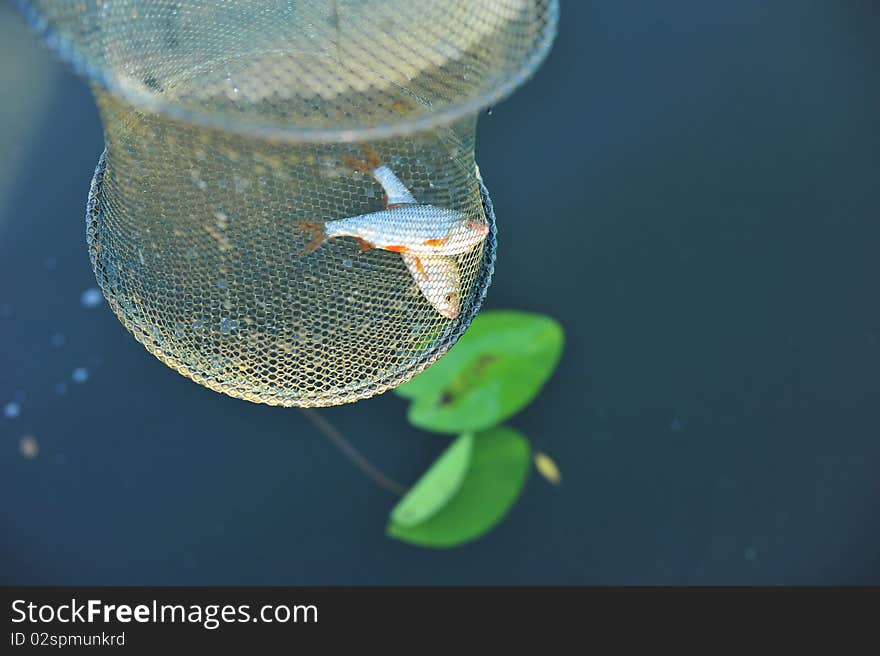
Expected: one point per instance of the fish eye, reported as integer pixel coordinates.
(470, 225)
(450, 297)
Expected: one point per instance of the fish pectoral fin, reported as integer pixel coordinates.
(364, 244)
(396, 248)
(436, 243)
(419, 267)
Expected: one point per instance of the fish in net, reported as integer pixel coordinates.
(288, 209)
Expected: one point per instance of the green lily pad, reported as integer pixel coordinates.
(437, 485)
(497, 367)
(497, 472)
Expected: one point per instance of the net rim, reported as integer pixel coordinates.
(345, 395)
(67, 51)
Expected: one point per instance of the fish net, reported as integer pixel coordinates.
(231, 126)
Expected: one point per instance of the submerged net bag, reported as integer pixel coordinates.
(288, 209)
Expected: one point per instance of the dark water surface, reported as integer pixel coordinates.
(691, 188)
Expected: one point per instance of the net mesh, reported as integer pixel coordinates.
(241, 140)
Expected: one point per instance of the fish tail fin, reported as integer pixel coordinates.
(371, 157)
(368, 164)
(315, 230)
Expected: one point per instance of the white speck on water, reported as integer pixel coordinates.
(80, 375)
(50, 263)
(675, 425)
(11, 410)
(57, 340)
(28, 447)
(91, 298)
(750, 553)
(61, 388)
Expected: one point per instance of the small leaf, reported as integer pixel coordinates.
(498, 468)
(437, 485)
(547, 468)
(497, 367)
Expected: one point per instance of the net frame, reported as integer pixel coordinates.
(71, 52)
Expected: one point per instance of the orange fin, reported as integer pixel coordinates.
(371, 156)
(316, 231)
(370, 163)
(358, 165)
(364, 244)
(436, 242)
(421, 269)
(396, 248)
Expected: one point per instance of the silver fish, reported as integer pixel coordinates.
(439, 281)
(427, 237)
(404, 226)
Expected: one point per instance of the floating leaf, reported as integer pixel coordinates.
(437, 485)
(547, 468)
(498, 468)
(497, 367)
